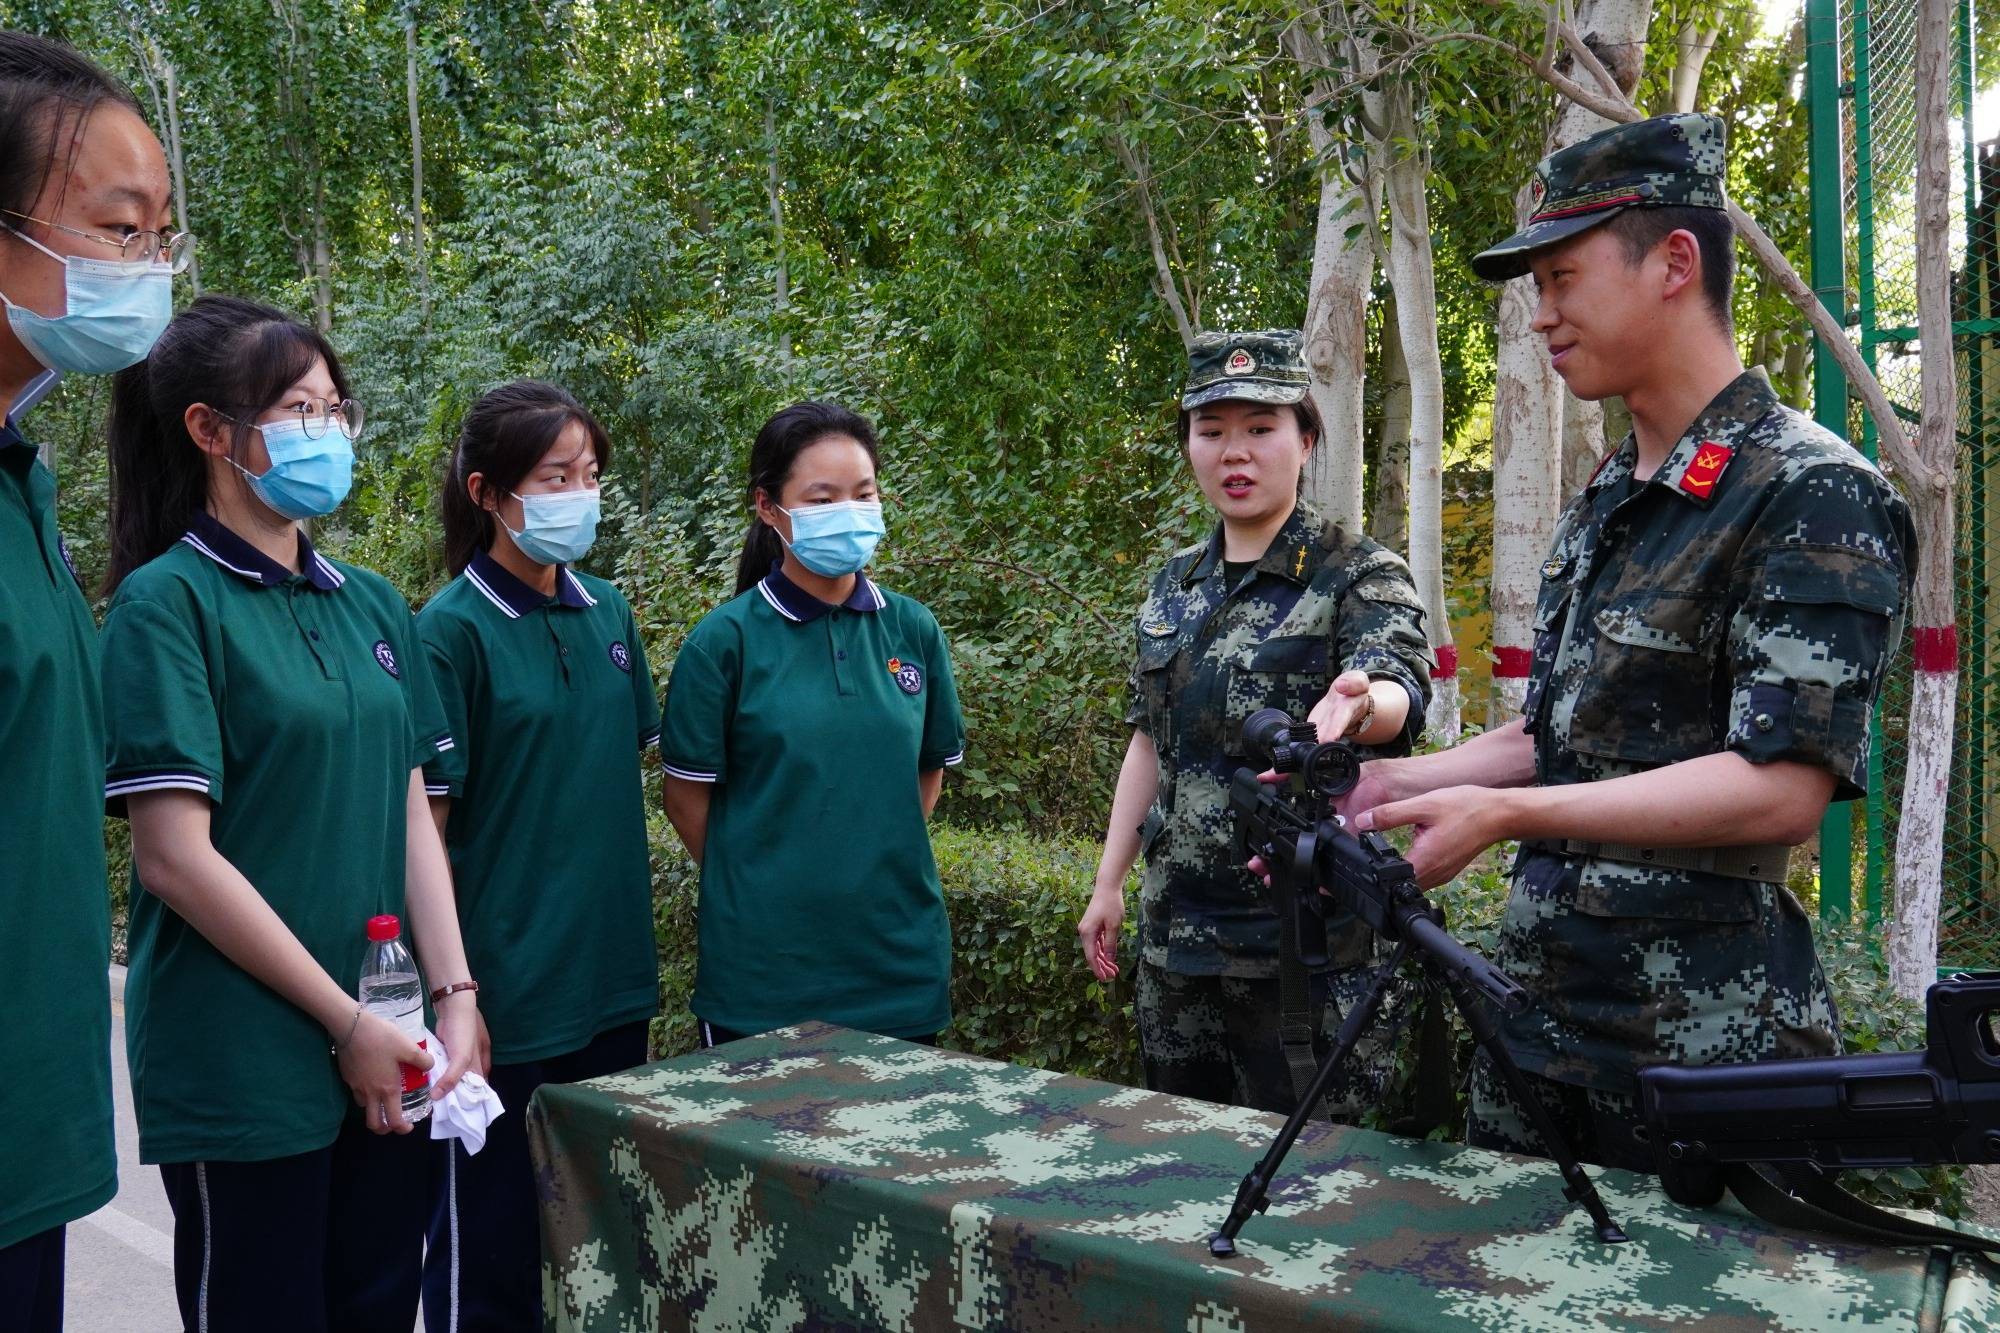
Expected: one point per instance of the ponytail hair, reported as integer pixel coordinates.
(47, 92)
(778, 445)
(230, 354)
(503, 437)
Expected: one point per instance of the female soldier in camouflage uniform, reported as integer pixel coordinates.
(1277, 609)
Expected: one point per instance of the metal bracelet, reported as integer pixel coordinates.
(352, 1028)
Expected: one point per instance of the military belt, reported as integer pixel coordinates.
(1763, 862)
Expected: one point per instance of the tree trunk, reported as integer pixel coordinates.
(418, 250)
(1934, 638)
(1335, 327)
(1692, 48)
(781, 277)
(1413, 277)
(1389, 519)
(1582, 443)
(322, 260)
(1140, 168)
(1540, 430)
(1527, 474)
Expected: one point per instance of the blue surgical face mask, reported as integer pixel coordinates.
(557, 528)
(113, 314)
(836, 539)
(307, 477)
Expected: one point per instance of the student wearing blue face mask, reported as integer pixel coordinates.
(270, 712)
(547, 693)
(808, 725)
(87, 253)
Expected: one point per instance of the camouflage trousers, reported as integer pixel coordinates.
(1603, 1128)
(1216, 1038)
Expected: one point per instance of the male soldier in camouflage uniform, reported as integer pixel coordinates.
(1277, 609)
(1714, 620)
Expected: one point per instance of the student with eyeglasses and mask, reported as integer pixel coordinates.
(809, 722)
(270, 711)
(546, 691)
(86, 282)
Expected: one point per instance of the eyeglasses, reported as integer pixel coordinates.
(316, 415)
(141, 247)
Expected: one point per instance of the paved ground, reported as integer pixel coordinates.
(121, 1277)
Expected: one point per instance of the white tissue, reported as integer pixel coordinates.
(465, 1111)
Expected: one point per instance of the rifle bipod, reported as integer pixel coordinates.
(1252, 1196)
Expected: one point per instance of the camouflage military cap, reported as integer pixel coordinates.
(1264, 367)
(1669, 160)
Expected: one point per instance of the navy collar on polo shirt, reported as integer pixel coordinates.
(795, 603)
(239, 557)
(517, 598)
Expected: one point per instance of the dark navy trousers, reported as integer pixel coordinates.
(330, 1241)
(483, 1273)
(31, 1284)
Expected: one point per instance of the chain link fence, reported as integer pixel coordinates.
(1877, 111)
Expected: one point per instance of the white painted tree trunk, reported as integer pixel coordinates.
(1412, 273)
(1920, 834)
(1343, 266)
(1532, 412)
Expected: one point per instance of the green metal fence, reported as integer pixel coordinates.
(1861, 89)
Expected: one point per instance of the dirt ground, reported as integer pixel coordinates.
(1984, 1183)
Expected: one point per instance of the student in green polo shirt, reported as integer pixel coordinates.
(269, 711)
(83, 190)
(808, 725)
(546, 691)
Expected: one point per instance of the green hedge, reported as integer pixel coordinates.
(1019, 987)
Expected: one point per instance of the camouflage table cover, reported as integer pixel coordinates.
(819, 1178)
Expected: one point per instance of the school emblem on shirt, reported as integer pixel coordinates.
(385, 657)
(621, 657)
(1705, 468)
(909, 676)
(1240, 362)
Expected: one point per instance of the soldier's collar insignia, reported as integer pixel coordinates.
(1240, 362)
(1159, 629)
(1705, 468)
(1299, 567)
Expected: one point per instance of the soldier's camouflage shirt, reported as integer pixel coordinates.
(1321, 601)
(1746, 598)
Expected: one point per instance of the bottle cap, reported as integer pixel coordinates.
(384, 928)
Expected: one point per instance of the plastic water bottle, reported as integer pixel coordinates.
(392, 987)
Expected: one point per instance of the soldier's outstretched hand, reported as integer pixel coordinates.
(1452, 824)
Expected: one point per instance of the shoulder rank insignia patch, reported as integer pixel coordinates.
(1705, 468)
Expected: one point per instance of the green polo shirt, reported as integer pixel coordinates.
(819, 896)
(299, 704)
(551, 703)
(56, 1156)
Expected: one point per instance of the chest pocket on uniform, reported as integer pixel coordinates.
(1649, 694)
(1289, 671)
